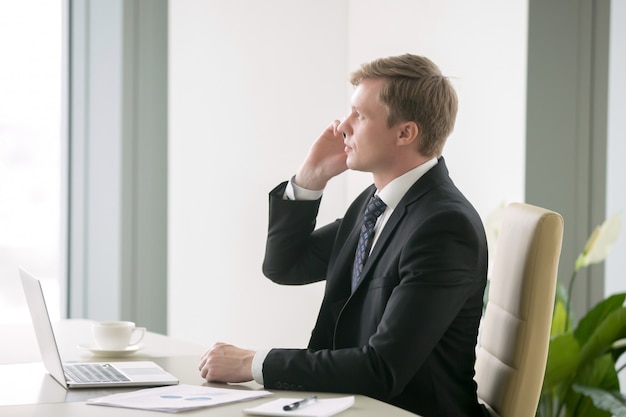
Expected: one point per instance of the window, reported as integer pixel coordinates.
(31, 153)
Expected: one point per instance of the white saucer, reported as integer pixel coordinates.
(111, 353)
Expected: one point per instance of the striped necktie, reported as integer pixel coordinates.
(374, 209)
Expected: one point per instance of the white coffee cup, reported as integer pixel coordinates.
(117, 335)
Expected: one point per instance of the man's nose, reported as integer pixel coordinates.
(343, 128)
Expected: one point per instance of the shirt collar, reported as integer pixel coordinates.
(396, 189)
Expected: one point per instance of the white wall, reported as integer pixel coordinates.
(252, 84)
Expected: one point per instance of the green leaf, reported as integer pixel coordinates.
(611, 401)
(612, 328)
(559, 319)
(586, 408)
(563, 357)
(599, 373)
(596, 315)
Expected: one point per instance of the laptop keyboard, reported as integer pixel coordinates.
(94, 372)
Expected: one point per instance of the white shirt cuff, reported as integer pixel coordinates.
(295, 192)
(257, 364)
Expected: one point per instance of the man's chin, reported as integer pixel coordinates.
(355, 167)
(352, 165)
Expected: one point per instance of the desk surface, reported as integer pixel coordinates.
(27, 390)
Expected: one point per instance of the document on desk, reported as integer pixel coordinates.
(177, 398)
(320, 408)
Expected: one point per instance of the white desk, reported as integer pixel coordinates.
(27, 390)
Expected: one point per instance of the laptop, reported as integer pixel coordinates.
(89, 374)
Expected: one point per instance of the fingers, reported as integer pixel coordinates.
(226, 363)
(205, 357)
(216, 349)
(336, 130)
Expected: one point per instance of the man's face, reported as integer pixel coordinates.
(369, 143)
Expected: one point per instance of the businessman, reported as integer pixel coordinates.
(405, 267)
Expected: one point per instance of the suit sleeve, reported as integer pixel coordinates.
(296, 253)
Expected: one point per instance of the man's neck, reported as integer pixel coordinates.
(381, 180)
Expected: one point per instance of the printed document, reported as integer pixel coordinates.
(177, 398)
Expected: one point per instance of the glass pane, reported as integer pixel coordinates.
(31, 173)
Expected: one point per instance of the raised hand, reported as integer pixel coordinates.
(326, 159)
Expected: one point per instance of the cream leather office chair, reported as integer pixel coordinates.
(515, 331)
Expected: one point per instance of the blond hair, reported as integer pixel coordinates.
(415, 91)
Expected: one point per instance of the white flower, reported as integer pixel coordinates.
(618, 344)
(493, 224)
(600, 242)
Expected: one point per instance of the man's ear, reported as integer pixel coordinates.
(407, 133)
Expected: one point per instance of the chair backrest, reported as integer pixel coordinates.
(515, 330)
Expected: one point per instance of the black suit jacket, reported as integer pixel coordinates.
(407, 334)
